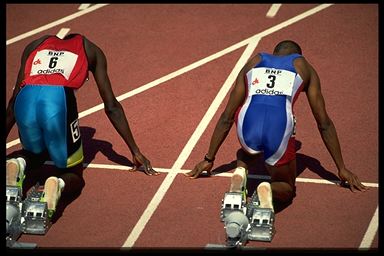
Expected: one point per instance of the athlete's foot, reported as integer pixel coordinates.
(15, 172)
(239, 181)
(52, 191)
(264, 192)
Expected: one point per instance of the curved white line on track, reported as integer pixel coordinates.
(273, 10)
(152, 206)
(84, 6)
(371, 232)
(225, 174)
(63, 32)
(198, 63)
(55, 23)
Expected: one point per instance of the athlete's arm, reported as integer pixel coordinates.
(225, 122)
(327, 129)
(98, 66)
(10, 118)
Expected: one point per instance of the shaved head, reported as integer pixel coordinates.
(287, 47)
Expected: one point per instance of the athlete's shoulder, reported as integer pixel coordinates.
(305, 69)
(38, 41)
(252, 62)
(34, 44)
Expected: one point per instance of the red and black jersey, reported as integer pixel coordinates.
(57, 62)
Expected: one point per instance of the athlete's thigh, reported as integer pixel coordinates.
(25, 111)
(59, 121)
(283, 173)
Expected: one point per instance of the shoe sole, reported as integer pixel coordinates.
(12, 173)
(51, 188)
(264, 192)
(238, 180)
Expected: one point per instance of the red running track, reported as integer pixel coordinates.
(144, 43)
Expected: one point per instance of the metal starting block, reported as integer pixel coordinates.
(246, 221)
(261, 221)
(232, 201)
(34, 213)
(261, 225)
(13, 195)
(29, 216)
(13, 208)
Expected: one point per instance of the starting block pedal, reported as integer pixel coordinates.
(35, 213)
(13, 195)
(261, 221)
(262, 225)
(232, 201)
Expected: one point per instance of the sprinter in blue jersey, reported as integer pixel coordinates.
(261, 105)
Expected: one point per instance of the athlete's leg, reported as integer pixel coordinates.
(74, 181)
(58, 119)
(283, 182)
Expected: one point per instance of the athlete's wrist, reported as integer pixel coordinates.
(209, 159)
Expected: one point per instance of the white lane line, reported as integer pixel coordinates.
(197, 63)
(55, 23)
(273, 10)
(13, 143)
(63, 32)
(140, 225)
(298, 179)
(84, 6)
(370, 234)
(224, 174)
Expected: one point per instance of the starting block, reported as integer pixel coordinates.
(13, 218)
(13, 195)
(255, 223)
(261, 221)
(232, 201)
(29, 216)
(261, 225)
(35, 213)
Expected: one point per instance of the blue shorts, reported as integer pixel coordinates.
(264, 124)
(47, 119)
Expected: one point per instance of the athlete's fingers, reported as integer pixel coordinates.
(151, 171)
(133, 169)
(359, 186)
(197, 174)
(192, 172)
(354, 185)
(147, 168)
(154, 172)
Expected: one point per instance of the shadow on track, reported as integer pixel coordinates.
(256, 167)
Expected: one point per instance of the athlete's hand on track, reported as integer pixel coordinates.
(203, 166)
(140, 160)
(349, 179)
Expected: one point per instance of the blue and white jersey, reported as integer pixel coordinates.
(265, 122)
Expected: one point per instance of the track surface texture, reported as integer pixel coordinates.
(172, 66)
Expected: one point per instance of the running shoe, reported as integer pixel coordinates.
(52, 191)
(15, 172)
(239, 181)
(264, 192)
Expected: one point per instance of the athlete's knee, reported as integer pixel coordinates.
(283, 192)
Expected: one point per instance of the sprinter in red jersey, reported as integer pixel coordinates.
(43, 106)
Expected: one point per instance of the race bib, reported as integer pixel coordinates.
(52, 62)
(270, 81)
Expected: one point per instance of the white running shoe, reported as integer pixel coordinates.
(15, 172)
(264, 192)
(239, 181)
(52, 191)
